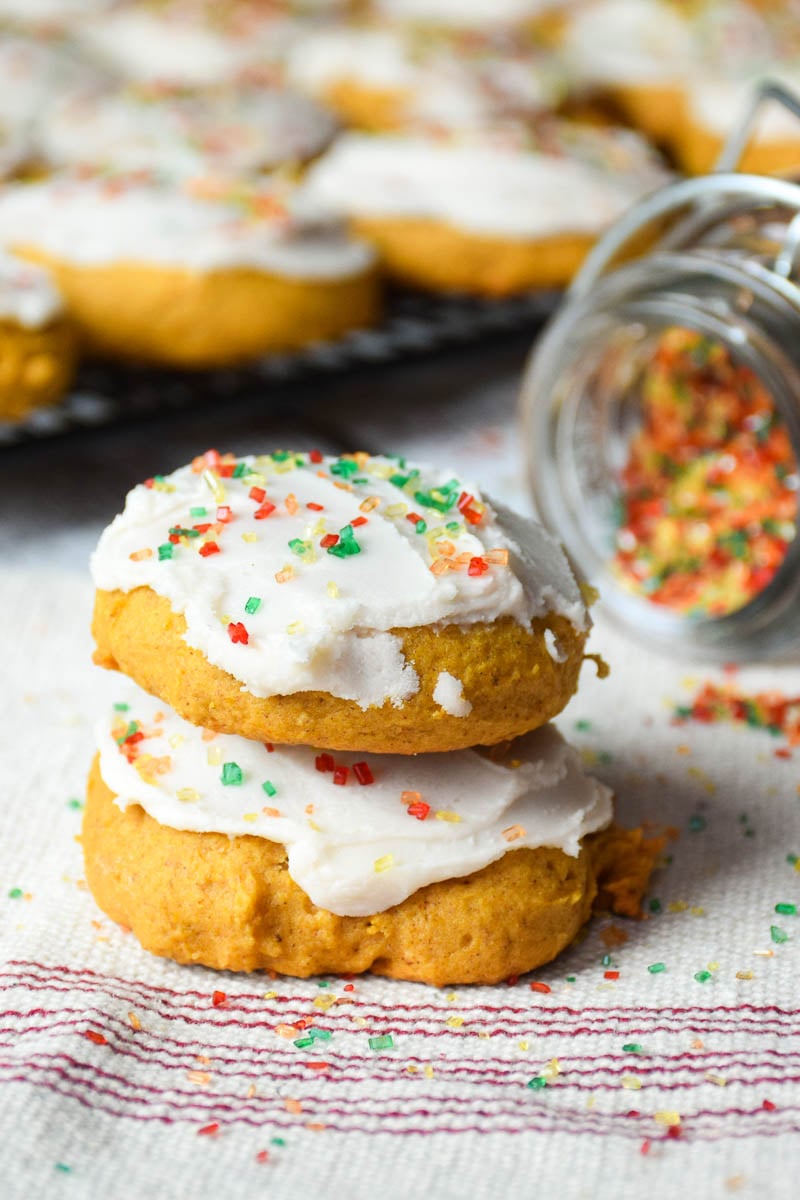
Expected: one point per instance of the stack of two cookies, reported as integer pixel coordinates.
(322, 641)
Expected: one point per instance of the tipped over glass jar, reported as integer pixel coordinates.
(661, 413)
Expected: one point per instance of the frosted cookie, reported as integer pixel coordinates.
(235, 130)
(474, 14)
(381, 78)
(194, 273)
(190, 43)
(49, 15)
(494, 213)
(354, 603)
(38, 347)
(715, 105)
(635, 52)
(442, 868)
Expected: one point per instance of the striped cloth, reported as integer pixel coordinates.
(660, 1055)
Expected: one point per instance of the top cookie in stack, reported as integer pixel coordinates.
(355, 603)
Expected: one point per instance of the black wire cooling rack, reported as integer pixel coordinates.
(414, 325)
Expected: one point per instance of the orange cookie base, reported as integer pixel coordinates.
(375, 110)
(36, 366)
(508, 675)
(697, 151)
(229, 903)
(155, 314)
(440, 258)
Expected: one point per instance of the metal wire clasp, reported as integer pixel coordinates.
(740, 138)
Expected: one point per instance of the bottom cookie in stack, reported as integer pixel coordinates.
(465, 867)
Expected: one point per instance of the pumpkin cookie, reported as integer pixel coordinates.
(38, 346)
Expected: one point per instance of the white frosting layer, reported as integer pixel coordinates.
(103, 220)
(475, 13)
(449, 693)
(33, 74)
(327, 626)
(355, 849)
(640, 42)
(27, 293)
(237, 130)
(487, 186)
(191, 44)
(718, 104)
(50, 13)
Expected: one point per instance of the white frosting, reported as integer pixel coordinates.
(449, 694)
(719, 104)
(191, 43)
(327, 628)
(27, 293)
(101, 220)
(33, 74)
(356, 850)
(644, 42)
(474, 13)
(237, 129)
(487, 186)
(51, 13)
(451, 81)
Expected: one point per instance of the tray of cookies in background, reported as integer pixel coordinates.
(202, 197)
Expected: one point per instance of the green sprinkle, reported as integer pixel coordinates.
(605, 758)
(198, 512)
(654, 905)
(319, 1035)
(302, 1042)
(683, 711)
(277, 1141)
(383, 1041)
(606, 960)
(239, 470)
(165, 552)
(703, 976)
(131, 729)
(778, 935)
(121, 707)
(74, 804)
(583, 726)
(791, 858)
(657, 968)
(632, 1048)
(537, 1082)
(697, 823)
(344, 467)
(63, 1168)
(436, 498)
(253, 605)
(786, 910)
(15, 894)
(323, 983)
(571, 978)
(420, 527)
(281, 455)
(231, 774)
(347, 544)
(298, 546)
(452, 526)
(269, 788)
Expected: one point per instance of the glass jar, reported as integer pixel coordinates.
(713, 265)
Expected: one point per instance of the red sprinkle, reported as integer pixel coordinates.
(226, 470)
(99, 1039)
(477, 566)
(224, 513)
(464, 501)
(315, 507)
(419, 809)
(645, 1147)
(238, 633)
(357, 521)
(414, 518)
(674, 1131)
(611, 975)
(209, 548)
(318, 1066)
(540, 987)
(174, 538)
(363, 774)
(209, 1130)
(324, 762)
(349, 987)
(265, 510)
(149, 483)
(262, 1156)
(268, 746)
(330, 539)
(219, 998)
(257, 494)
(512, 980)
(204, 528)
(472, 515)
(315, 456)
(340, 776)
(768, 1106)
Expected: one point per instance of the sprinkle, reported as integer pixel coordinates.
(744, 974)
(537, 1083)
(324, 762)
(209, 548)
(315, 456)
(383, 1041)
(266, 510)
(630, 1082)
(632, 1048)
(703, 976)
(237, 633)
(447, 815)
(396, 510)
(370, 503)
(778, 935)
(209, 1130)
(657, 968)
(291, 504)
(719, 1080)
(477, 566)
(667, 1118)
(768, 1106)
(544, 988)
(419, 809)
(218, 999)
(296, 627)
(165, 552)
(301, 548)
(232, 774)
(786, 910)
(284, 575)
(697, 823)
(134, 1022)
(346, 545)
(497, 557)
(457, 1022)
(215, 486)
(187, 795)
(139, 555)
(332, 590)
(363, 773)
(253, 605)
(224, 514)
(340, 776)
(384, 863)
(270, 789)
(611, 975)
(214, 756)
(514, 833)
(99, 1039)
(329, 540)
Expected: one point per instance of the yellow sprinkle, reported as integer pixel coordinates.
(317, 530)
(631, 1083)
(383, 863)
(215, 485)
(764, 953)
(412, 1070)
(161, 485)
(254, 478)
(250, 817)
(176, 740)
(187, 795)
(677, 906)
(249, 537)
(214, 756)
(483, 1035)
(696, 911)
(744, 975)
(427, 1071)
(225, 619)
(523, 1045)
(371, 502)
(396, 510)
(202, 1078)
(712, 966)
(284, 575)
(719, 1080)
(553, 1068)
(667, 1118)
(208, 735)
(270, 995)
(445, 815)
(135, 1022)
(317, 828)
(296, 627)
(332, 589)
(451, 996)
(702, 778)
(797, 863)
(325, 1002)
(454, 1022)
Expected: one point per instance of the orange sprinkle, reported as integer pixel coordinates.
(293, 1106)
(410, 797)
(138, 555)
(291, 503)
(498, 556)
(271, 812)
(135, 1023)
(514, 833)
